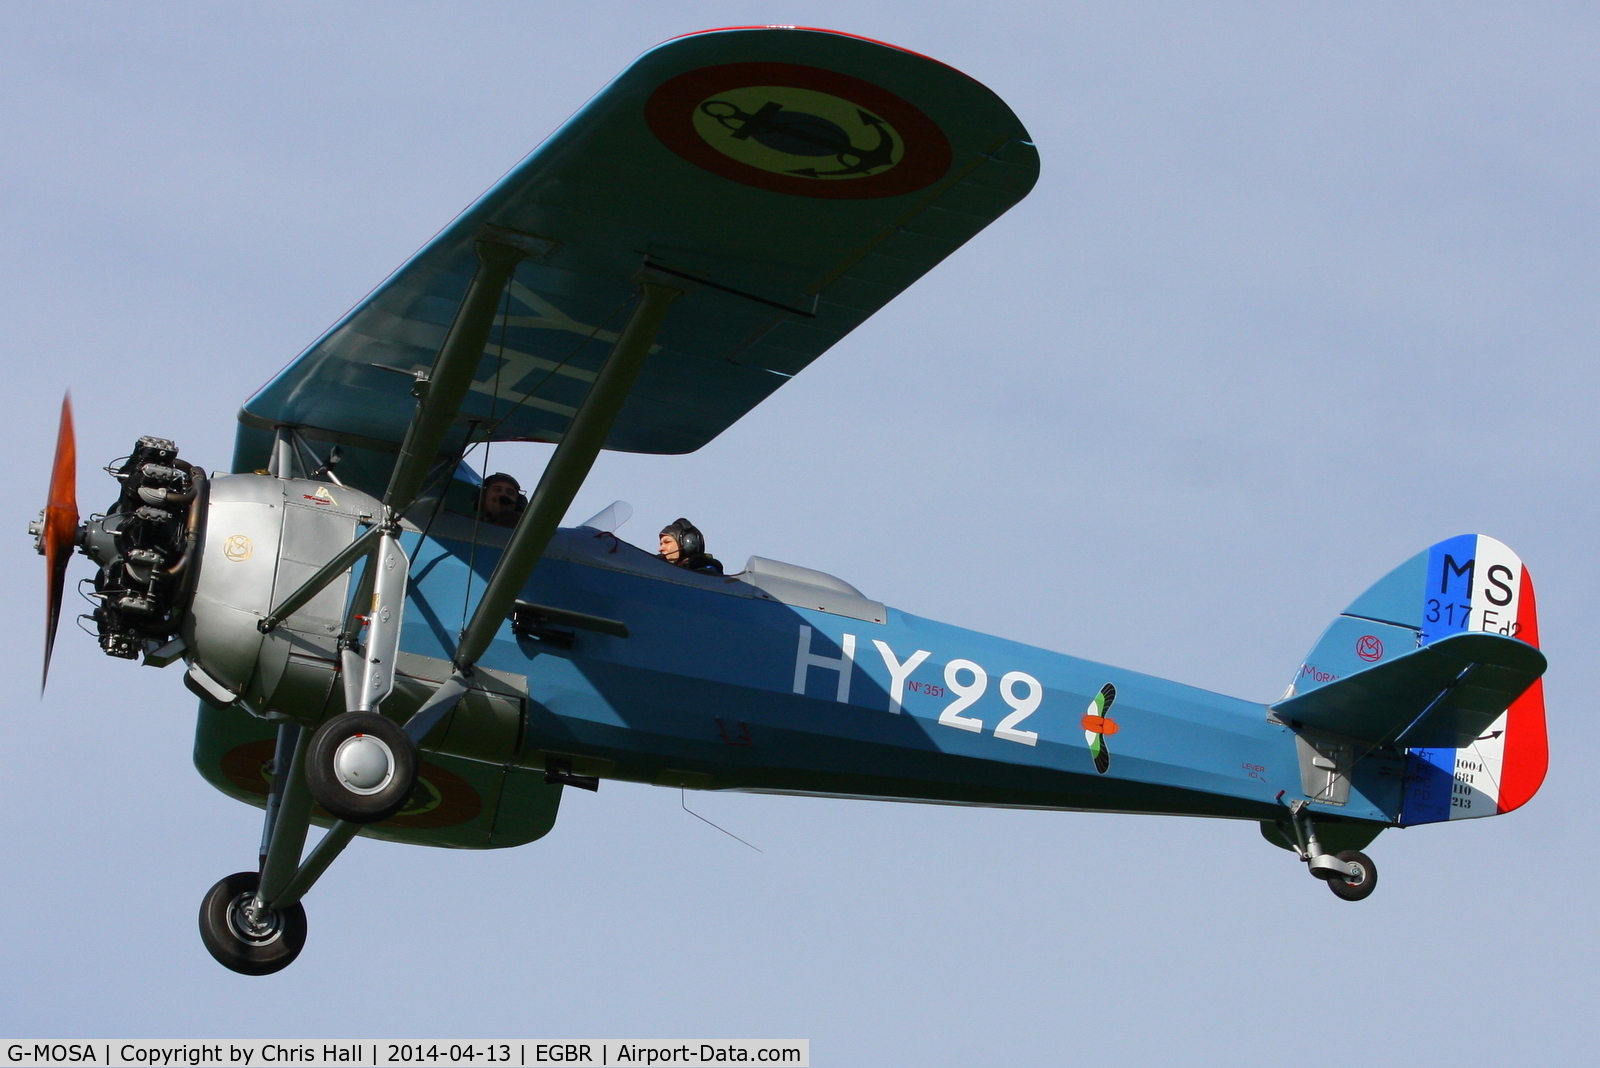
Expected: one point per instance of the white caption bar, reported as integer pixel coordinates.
(519, 1053)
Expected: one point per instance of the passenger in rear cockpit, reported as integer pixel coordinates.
(682, 545)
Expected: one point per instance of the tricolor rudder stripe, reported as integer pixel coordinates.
(1475, 583)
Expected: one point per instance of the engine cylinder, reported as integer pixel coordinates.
(143, 545)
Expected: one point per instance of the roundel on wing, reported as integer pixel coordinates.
(806, 131)
(442, 798)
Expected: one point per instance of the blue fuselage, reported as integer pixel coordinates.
(721, 685)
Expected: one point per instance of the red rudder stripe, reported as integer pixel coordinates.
(1527, 752)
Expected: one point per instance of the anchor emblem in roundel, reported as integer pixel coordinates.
(801, 130)
(775, 127)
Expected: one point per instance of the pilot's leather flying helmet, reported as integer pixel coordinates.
(501, 476)
(690, 541)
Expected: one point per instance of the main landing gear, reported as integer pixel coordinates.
(1350, 874)
(361, 768)
(244, 935)
(359, 765)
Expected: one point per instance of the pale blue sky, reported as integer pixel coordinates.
(1303, 288)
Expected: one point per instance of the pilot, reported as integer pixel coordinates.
(684, 546)
(501, 501)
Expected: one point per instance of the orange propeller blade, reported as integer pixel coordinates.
(60, 527)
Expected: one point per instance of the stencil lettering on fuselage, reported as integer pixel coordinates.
(1457, 784)
(899, 672)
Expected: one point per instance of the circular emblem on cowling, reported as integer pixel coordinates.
(806, 131)
(237, 547)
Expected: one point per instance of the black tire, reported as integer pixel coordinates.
(227, 933)
(1360, 887)
(338, 793)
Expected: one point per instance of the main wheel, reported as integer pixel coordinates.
(1362, 884)
(361, 767)
(250, 944)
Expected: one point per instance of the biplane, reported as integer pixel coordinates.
(370, 655)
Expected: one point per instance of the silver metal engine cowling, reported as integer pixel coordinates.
(261, 538)
(228, 550)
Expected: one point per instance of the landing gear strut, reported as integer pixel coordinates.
(253, 922)
(361, 766)
(1351, 875)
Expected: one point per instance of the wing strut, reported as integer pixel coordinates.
(446, 386)
(360, 766)
(441, 391)
(563, 475)
(369, 673)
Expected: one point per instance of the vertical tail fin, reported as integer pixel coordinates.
(1470, 583)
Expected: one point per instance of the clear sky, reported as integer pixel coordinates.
(1303, 288)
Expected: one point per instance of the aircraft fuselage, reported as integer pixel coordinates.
(721, 686)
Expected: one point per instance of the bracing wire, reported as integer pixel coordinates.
(683, 799)
(568, 358)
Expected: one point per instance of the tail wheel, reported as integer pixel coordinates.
(247, 940)
(1358, 886)
(361, 767)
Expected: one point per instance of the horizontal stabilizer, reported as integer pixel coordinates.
(1443, 695)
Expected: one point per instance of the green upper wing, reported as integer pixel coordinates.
(793, 181)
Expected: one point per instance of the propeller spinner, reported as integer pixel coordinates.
(57, 527)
